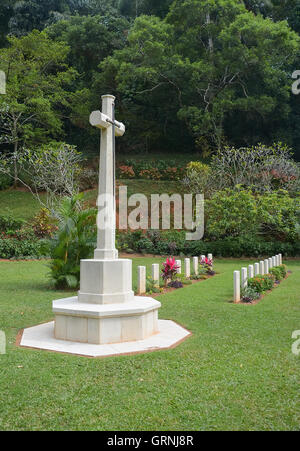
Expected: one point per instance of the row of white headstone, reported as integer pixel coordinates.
(240, 278)
(142, 273)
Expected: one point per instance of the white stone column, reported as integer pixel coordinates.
(270, 263)
(155, 274)
(236, 286)
(274, 261)
(196, 265)
(280, 258)
(251, 271)
(256, 269)
(266, 262)
(141, 280)
(210, 256)
(187, 268)
(244, 278)
(179, 264)
(261, 268)
(106, 238)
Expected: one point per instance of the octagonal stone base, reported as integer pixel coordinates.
(42, 337)
(105, 324)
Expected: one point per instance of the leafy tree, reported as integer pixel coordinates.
(90, 39)
(35, 14)
(28, 15)
(135, 8)
(212, 64)
(37, 78)
(6, 11)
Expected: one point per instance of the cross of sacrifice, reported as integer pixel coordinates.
(106, 225)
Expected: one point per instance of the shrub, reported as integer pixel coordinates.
(169, 270)
(13, 248)
(151, 170)
(145, 245)
(277, 273)
(5, 181)
(43, 224)
(260, 284)
(242, 246)
(74, 241)
(8, 223)
(260, 168)
(198, 176)
(230, 213)
(249, 294)
(236, 212)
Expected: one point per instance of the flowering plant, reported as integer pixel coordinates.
(206, 264)
(169, 269)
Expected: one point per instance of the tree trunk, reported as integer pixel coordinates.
(15, 165)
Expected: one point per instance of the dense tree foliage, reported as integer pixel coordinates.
(36, 98)
(188, 74)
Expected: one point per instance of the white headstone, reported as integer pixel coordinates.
(244, 278)
(196, 265)
(280, 259)
(266, 262)
(256, 269)
(141, 280)
(187, 268)
(178, 264)
(270, 263)
(236, 286)
(210, 256)
(261, 268)
(274, 261)
(155, 274)
(251, 271)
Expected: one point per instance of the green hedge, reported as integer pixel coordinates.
(174, 243)
(11, 248)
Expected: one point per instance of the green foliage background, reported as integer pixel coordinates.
(189, 75)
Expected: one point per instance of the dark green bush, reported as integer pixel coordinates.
(8, 223)
(5, 181)
(174, 243)
(11, 248)
(277, 273)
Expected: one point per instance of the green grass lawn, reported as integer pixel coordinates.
(236, 371)
(22, 204)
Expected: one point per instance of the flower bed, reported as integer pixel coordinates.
(260, 285)
(150, 170)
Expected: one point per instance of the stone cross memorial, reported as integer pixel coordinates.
(106, 310)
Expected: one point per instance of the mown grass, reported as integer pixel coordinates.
(236, 372)
(23, 205)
